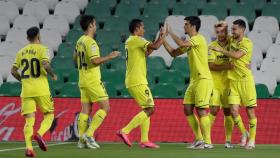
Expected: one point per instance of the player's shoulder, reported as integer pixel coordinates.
(214, 43)
(246, 40)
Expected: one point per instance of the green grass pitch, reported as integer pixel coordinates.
(117, 150)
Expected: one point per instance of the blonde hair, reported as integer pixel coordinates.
(221, 24)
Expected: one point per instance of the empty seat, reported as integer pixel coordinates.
(257, 56)
(73, 76)
(9, 9)
(11, 78)
(63, 63)
(230, 19)
(20, 3)
(277, 41)
(258, 5)
(68, 9)
(25, 22)
(4, 25)
(271, 10)
(70, 89)
(18, 35)
(73, 35)
(181, 64)
(80, 3)
(262, 91)
(271, 66)
(10, 48)
(116, 24)
(37, 9)
(155, 64)
(108, 37)
(57, 22)
(276, 93)
(10, 89)
(164, 91)
(50, 3)
(186, 9)
(171, 77)
(267, 23)
(122, 10)
(261, 38)
(51, 38)
(217, 9)
(245, 10)
(118, 64)
(66, 49)
(266, 78)
(207, 23)
(6, 65)
(273, 51)
(207, 35)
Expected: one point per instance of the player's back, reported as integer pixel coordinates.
(87, 49)
(33, 75)
(136, 70)
(198, 58)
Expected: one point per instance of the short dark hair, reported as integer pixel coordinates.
(86, 20)
(240, 23)
(194, 21)
(32, 32)
(134, 23)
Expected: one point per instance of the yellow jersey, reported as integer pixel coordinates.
(29, 60)
(198, 58)
(136, 71)
(219, 77)
(87, 49)
(241, 72)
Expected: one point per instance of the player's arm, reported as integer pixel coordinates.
(236, 55)
(101, 60)
(179, 41)
(173, 52)
(14, 72)
(156, 44)
(216, 67)
(49, 70)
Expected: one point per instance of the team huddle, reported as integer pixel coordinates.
(220, 77)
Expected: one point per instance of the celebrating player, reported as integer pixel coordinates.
(241, 82)
(87, 57)
(201, 84)
(33, 62)
(137, 49)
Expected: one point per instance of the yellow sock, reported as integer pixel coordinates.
(212, 119)
(239, 123)
(46, 124)
(193, 122)
(28, 131)
(97, 120)
(82, 123)
(253, 129)
(145, 127)
(135, 122)
(228, 124)
(206, 128)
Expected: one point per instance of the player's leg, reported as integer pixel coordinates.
(192, 120)
(46, 105)
(228, 125)
(97, 94)
(234, 100)
(215, 103)
(83, 116)
(28, 112)
(250, 101)
(143, 97)
(203, 93)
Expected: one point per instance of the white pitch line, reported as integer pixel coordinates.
(13, 149)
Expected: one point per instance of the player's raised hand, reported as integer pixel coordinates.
(114, 54)
(54, 77)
